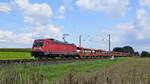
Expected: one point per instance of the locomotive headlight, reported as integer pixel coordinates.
(34, 48)
(37, 48)
(78, 50)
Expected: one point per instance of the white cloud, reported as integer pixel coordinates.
(53, 28)
(145, 3)
(6, 36)
(61, 12)
(112, 7)
(24, 38)
(47, 31)
(12, 37)
(38, 16)
(143, 24)
(119, 32)
(143, 18)
(35, 14)
(4, 7)
(128, 27)
(135, 33)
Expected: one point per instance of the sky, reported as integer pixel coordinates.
(127, 21)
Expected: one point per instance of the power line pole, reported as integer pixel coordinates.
(64, 36)
(112, 56)
(109, 44)
(80, 40)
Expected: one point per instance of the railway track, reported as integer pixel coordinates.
(49, 61)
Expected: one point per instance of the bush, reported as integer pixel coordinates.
(145, 54)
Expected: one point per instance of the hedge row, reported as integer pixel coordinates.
(15, 49)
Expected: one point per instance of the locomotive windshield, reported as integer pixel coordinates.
(38, 44)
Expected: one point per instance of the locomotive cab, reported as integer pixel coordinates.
(38, 48)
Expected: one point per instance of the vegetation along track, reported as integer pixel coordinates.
(131, 71)
(49, 61)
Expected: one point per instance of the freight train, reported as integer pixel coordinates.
(51, 48)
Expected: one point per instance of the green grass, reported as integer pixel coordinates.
(45, 73)
(132, 71)
(15, 55)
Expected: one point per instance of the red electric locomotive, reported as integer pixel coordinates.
(53, 48)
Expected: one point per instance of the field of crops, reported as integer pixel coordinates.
(15, 53)
(48, 74)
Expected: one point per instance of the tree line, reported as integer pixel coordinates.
(145, 54)
(131, 51)
(15, 49)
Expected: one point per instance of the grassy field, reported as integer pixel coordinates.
(49, 74)
(132, 71)
(15, 55)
